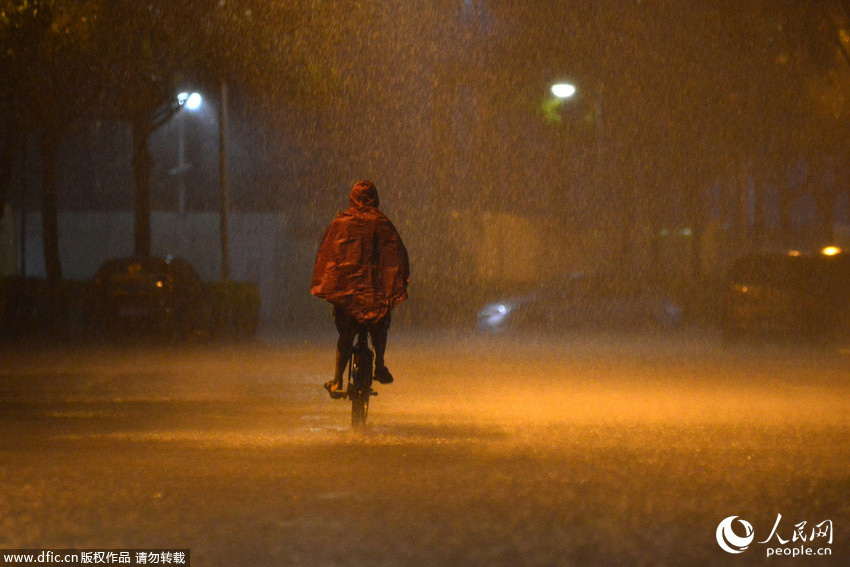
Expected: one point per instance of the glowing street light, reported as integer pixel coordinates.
(190, 101)
(563, 90)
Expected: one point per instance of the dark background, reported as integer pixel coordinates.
(698, 132)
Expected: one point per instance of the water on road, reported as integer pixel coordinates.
(579, 450)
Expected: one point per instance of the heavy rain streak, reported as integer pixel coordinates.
(625, 338)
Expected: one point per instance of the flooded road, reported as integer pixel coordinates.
(578, 450)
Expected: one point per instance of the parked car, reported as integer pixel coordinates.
(158, 295)
(787, 295)
(580, 301)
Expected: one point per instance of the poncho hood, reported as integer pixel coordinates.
(363, 195)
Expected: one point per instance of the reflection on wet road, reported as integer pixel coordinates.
(578, 450)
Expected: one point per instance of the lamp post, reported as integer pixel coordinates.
(224, 188)
(190, 102)
(564, 91)
(604, 185)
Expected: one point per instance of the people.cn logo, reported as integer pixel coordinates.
(729, 540)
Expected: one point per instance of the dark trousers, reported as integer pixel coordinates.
(348, 328)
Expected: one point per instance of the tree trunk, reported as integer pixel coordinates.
(224, 187)
(785, 227)
(824, 201)
(826, 205)
(697, 232)
(141, 173)
(758, 228)
(7, 160)
(50, 228)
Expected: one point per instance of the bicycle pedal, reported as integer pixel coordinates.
(335, 394)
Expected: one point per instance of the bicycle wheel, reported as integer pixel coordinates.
(359, 409)
(361, 380)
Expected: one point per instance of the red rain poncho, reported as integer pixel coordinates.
(362, 264)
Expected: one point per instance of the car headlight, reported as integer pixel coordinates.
(493, 315)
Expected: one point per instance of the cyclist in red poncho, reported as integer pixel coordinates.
(363, 270)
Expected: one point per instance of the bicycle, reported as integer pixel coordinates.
(361, 372)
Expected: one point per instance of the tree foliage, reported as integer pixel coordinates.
(66, 60)
(44, 48)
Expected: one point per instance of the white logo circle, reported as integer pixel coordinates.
(729, 541)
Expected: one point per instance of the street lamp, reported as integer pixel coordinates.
(190, 102)
(563, 90)
(566, 94)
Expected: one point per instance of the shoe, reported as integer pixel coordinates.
(382, 375)
(334, 388)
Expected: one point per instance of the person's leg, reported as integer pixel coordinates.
(346, 325)
(378, 332)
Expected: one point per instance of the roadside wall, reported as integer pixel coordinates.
(259, 247)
